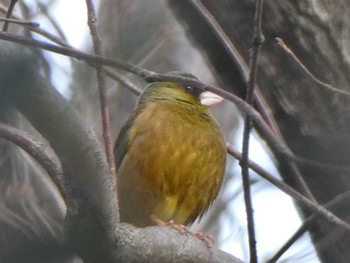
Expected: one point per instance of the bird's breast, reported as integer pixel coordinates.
(174, 164)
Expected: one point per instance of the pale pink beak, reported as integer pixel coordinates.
(210, 99)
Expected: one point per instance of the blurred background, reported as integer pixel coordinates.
(145, 33)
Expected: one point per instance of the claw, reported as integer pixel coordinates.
(183, 230)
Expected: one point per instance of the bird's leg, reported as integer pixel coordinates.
(207, 239)
(183, 230)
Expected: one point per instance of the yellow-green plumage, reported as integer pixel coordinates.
(170, 157)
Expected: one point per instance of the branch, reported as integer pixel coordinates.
(258, 39)
(327, 86)
(163, 244)
(38, 151)
(8, 15)
(307, 223)
(101, 80)
(314, 207)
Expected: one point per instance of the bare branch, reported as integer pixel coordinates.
(101, 79)
(307, 224)
(327, 86)
(9, 13)
(24, 23)
(314, 207)
(258, 39)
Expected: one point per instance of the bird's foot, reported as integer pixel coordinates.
(207, 239)
(183, 230)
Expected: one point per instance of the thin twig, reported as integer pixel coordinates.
(324, 166)
(327, 86)
(38, 30)
(8, 14)
(71, 52)
(314, 207)
(101, 79)
(43, 9)
(306, 225)
(258, 39)
(23, 23)
(124, 81)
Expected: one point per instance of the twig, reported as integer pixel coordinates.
(324, 166)
(71, 52)
(23, 23)
(327, 86)
(9, 13)
(258, 39)
(306, 225)
(124, 81)
(43, 9)
(38, 30)
(314, 207)
(101, 79)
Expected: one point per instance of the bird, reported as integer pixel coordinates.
(170, 157)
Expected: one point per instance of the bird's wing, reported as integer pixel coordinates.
(122, 142)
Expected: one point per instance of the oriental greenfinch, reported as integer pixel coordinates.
(170, 157)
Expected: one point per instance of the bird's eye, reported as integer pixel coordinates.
(189, 89)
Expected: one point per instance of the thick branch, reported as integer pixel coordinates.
(38, 151)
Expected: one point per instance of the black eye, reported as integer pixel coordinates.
(189, 89)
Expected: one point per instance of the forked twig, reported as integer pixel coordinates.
(327, 86)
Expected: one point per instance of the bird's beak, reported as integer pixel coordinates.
(210, 99)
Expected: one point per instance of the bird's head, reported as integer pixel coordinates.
(158, 91)
(178, 92)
